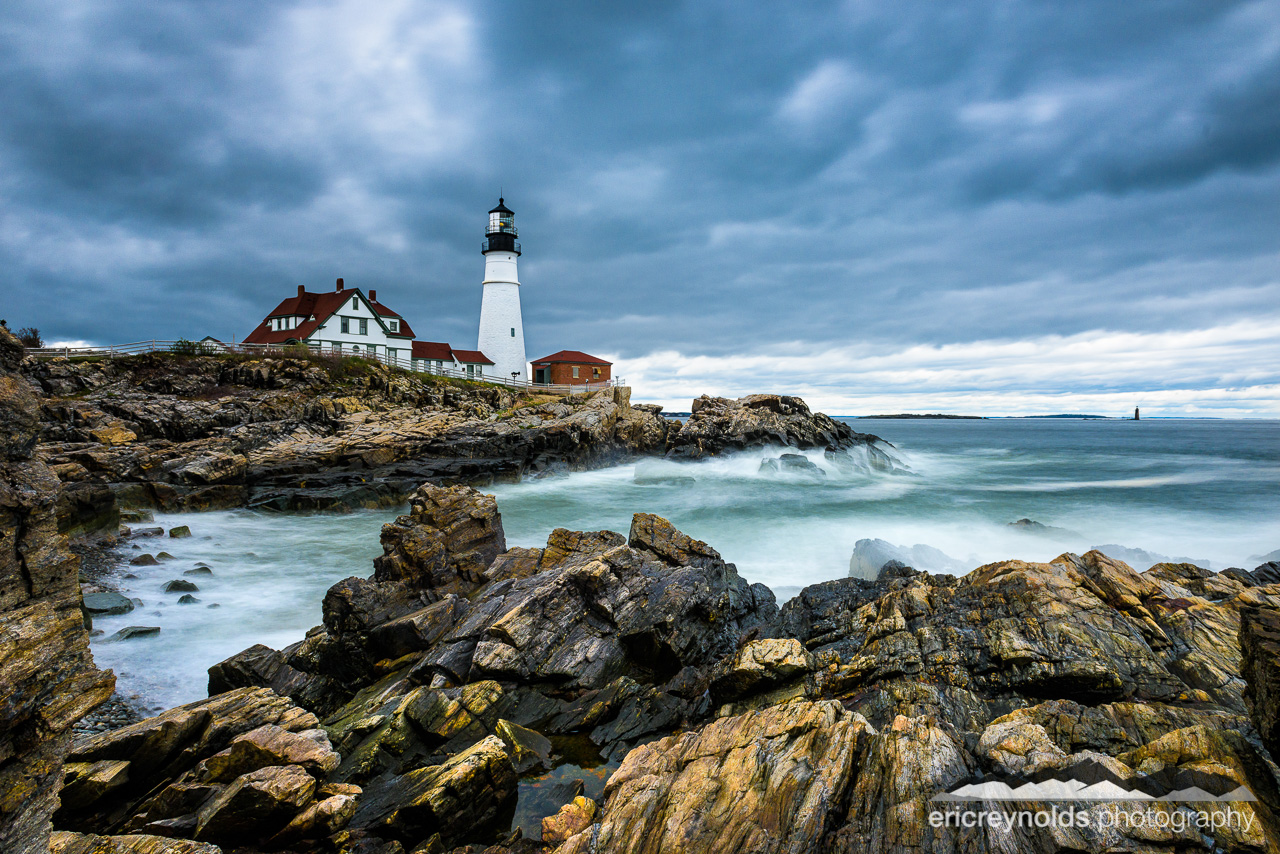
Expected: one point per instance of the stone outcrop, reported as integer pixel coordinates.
(301, 434)
(1260, 666)
(244, 767)
(718, 424)
(48, 675)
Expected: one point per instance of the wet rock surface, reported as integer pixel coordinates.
(408, 719)
(718, 424)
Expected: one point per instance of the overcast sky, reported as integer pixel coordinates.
(1000, 207)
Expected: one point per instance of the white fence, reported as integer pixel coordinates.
(212, 348)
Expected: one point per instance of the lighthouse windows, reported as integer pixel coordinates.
(513, 332)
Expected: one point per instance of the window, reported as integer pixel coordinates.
(346, 326)
(355, 303)
(391, 354)
(439, 364)
(575, 372)
(513, 332)
(595, 373)
(394, 325)
(364, 326)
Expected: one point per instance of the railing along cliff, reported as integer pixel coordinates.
(210, 348)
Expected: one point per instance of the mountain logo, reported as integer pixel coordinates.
(1077, 790)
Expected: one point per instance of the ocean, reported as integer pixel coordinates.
(1207, 491)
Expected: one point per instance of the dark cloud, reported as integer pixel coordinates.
(711, 177)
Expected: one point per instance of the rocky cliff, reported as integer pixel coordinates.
(319, 432)
(200, 432)
(462, 668)
(47, 674)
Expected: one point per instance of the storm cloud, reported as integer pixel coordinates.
(723, 197)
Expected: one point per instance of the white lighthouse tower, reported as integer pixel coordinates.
(501, 329)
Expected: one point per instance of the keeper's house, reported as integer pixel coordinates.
(343, 320)
(346, 321)
(570, 367)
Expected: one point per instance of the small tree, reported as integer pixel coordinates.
(30, 337)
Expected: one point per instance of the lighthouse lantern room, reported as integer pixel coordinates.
(501, 327)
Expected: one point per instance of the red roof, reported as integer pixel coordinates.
(432, 350)
(576, 357)
(472, 357)
(405, 331)
(319, 306)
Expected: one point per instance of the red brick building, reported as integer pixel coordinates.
(570, 367)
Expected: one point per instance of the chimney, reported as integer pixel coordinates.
(339, 284)
(301, 291)
(373, 296)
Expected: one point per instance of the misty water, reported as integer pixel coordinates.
(1205, 490)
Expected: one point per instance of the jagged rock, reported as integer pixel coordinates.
(1260, 667)
(86, 782)
(48, 675)
(761, 664)
(448, 539)
(465, 799)
(527, 749)
(766, 781)
(650, 608)
(163, 751)
(320, 820)
(718, 424)
(1081, 628)
(269, 745)
(256, 805)
(63, 842)
(573, 818)
(211, 432)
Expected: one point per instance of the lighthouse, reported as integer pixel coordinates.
(501, 329)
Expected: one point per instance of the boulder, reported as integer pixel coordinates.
(761, 664)
(445, 543)
(180, 585)
(269, 745)
(766, 781)
(144, 560)
(107, 602)
(163, 752)
(187, 599)
(256, 805)
(573, 818)
(717, 425)
(133, 633)
(86, 782)
(180, 532)
(469, 798)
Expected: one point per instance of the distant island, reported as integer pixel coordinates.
(930, 415)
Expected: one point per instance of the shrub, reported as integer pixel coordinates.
(30, 337)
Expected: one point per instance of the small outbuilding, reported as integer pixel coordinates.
(570, 367)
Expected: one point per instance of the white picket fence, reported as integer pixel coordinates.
(211, 348)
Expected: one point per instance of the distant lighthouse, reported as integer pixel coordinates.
(501, 328)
